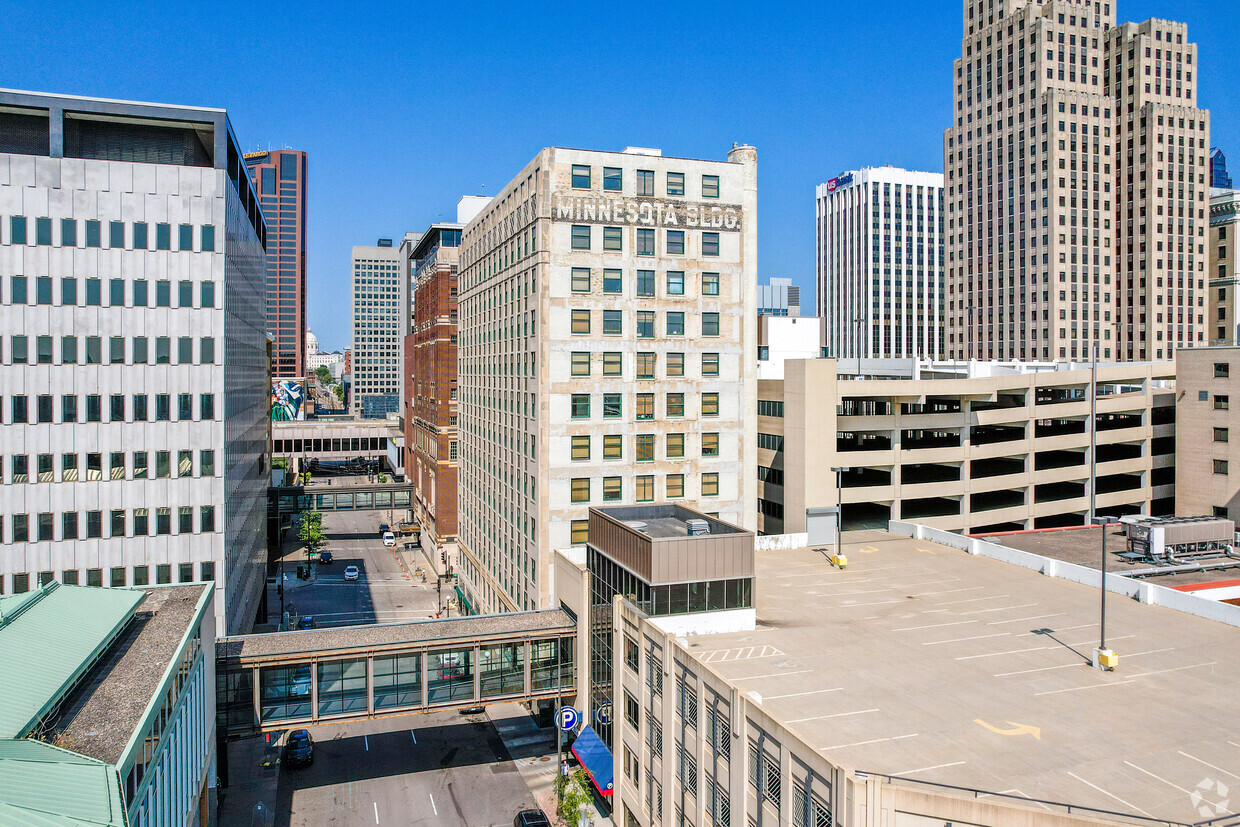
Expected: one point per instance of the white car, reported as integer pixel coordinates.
(389, 539)
(351, 573)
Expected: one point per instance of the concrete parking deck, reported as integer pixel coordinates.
(924, 662)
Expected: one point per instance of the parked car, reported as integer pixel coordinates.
(384, 528)
(351, 573)
(307, 622)
(389, 539)
(298, 749)
(531, 818)
(301, 682)
(325, 557)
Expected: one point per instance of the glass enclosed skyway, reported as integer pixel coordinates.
(276, 681)
(293, 499)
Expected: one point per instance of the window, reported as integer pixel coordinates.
(645, 242)
(208, 238)
(206, 463)
(613, 238)
(710, 324)
(185, 293)
(140, 241)
(611, 489)
(21, 468)
(645, 365)
(94, 292)
(185, 520)
(163, 464)
(675, 282)
(163, 236)
(68, 291)
(163, 293)
(612, 406)
(117, 526)
(1220, 435)
(710, 284)
(43, 290)
(645, 182)
(94, 408)
(69, 525)
(581, 280)
(710, 445)
(710, 244)
(207, 294)
(185, 350)
(710, 364)
(710, 485)
(19, 350)
(163, 521)
(68, 350)
(581, 532)
(206, 518)
(92, 233)
(68, 408)
(612, 364)
(675, 446)
(581, 177)
(675, 183)
(676, 324)
(581, 448)
(675, 242)
(710, 186)
(69, 467)
(613, 281)
(613, 179)
(139, 465)
(581, 406)
(116, 465)
(675, 486)
(116, 234)
(17, 229)
(632, 710)
(163, 574)
(581, 237)
(140, 293)
(43, 231)
(710, 404)
(644, 491)
(580, 322)
(185, 237)
(163, 350)
(580, 363)
(1222, 370)
(1220, 466)
(675, 364)
(68, 232)
(645, 282)
(206, 350)
(206, 406)
(645, 406)
(675, 405)
(185, 463)
(47, 529)
(581, 489)
(644, 450)
(43, 345)
(645, 324)
(1222, 402)
(45, 408)
(613, 446)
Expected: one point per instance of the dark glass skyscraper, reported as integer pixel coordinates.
(279, 176)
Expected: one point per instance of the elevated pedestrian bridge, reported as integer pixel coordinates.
(281, 680)
(294, 499)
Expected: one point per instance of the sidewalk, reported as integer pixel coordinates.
(251, 797)
(533, 751)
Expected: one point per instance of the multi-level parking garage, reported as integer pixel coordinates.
(966, 447)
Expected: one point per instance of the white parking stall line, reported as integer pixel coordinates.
(1108, 794)
(434, 809)
(1159, 777)
(1041, 669)
(972, 599)
(1176, 669)
(366, 740)
(413, 735)
(376, 803)
(998, 609)
(933, 626)
(799, 694)
(926, 769)
(1208, 764)
(873, 741)
(1019, 619)
(835, 715)
(773, 675)
(1078, 688)
(963, 639)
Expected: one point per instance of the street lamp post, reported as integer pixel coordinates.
(839, 507)
(1104, 658)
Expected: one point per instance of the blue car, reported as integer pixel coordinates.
(298, 749)
(325, 557)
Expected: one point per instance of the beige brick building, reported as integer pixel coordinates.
(1207, 459)
(1076, 186)
(607, 341)
(964, 448)
(1224, 247)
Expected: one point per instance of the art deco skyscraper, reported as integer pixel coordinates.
(279, 177)
(1076, 185)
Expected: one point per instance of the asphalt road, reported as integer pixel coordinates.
(440, 768)
(382, 594)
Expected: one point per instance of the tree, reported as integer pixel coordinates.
(573, 792)
(339, 389)
(324, 375)
(310, 533)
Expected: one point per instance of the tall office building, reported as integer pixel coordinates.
(135, 374)
(380, 322)
(1076, 185)
(1219, 177)
(1224, 241)
(880, 263)
(430, 407)
(279, 176)
(779, 297)
(608, 331)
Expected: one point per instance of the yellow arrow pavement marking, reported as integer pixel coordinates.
(1018, 729)
(925, 550)
(867, 549)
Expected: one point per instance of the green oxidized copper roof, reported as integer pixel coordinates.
(44, 786)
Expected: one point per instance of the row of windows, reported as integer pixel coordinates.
(92, 470)
(91, 292)
(613, 405)
(643, 488)
(613, 241)
(613, 181)
(118, 576)
(88, 350)
(353, 444)
(643, 446)
(42, 527)
(613, 323)
(644, 285)
(137, 234)
(92, 408)
(767, 407)
(613, 365)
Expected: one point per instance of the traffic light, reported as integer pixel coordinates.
(443, 557)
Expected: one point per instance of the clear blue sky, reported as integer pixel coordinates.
(404, 107)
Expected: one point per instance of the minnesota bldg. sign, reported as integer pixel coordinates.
(646, 213)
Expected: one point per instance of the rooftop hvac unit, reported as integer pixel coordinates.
(697, 527)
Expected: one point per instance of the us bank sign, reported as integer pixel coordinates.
(646, 213)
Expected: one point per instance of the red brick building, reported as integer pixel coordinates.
(430, 405)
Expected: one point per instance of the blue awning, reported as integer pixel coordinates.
(596, 758)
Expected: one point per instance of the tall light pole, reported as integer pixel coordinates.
(1104, 658)
(839, 512)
